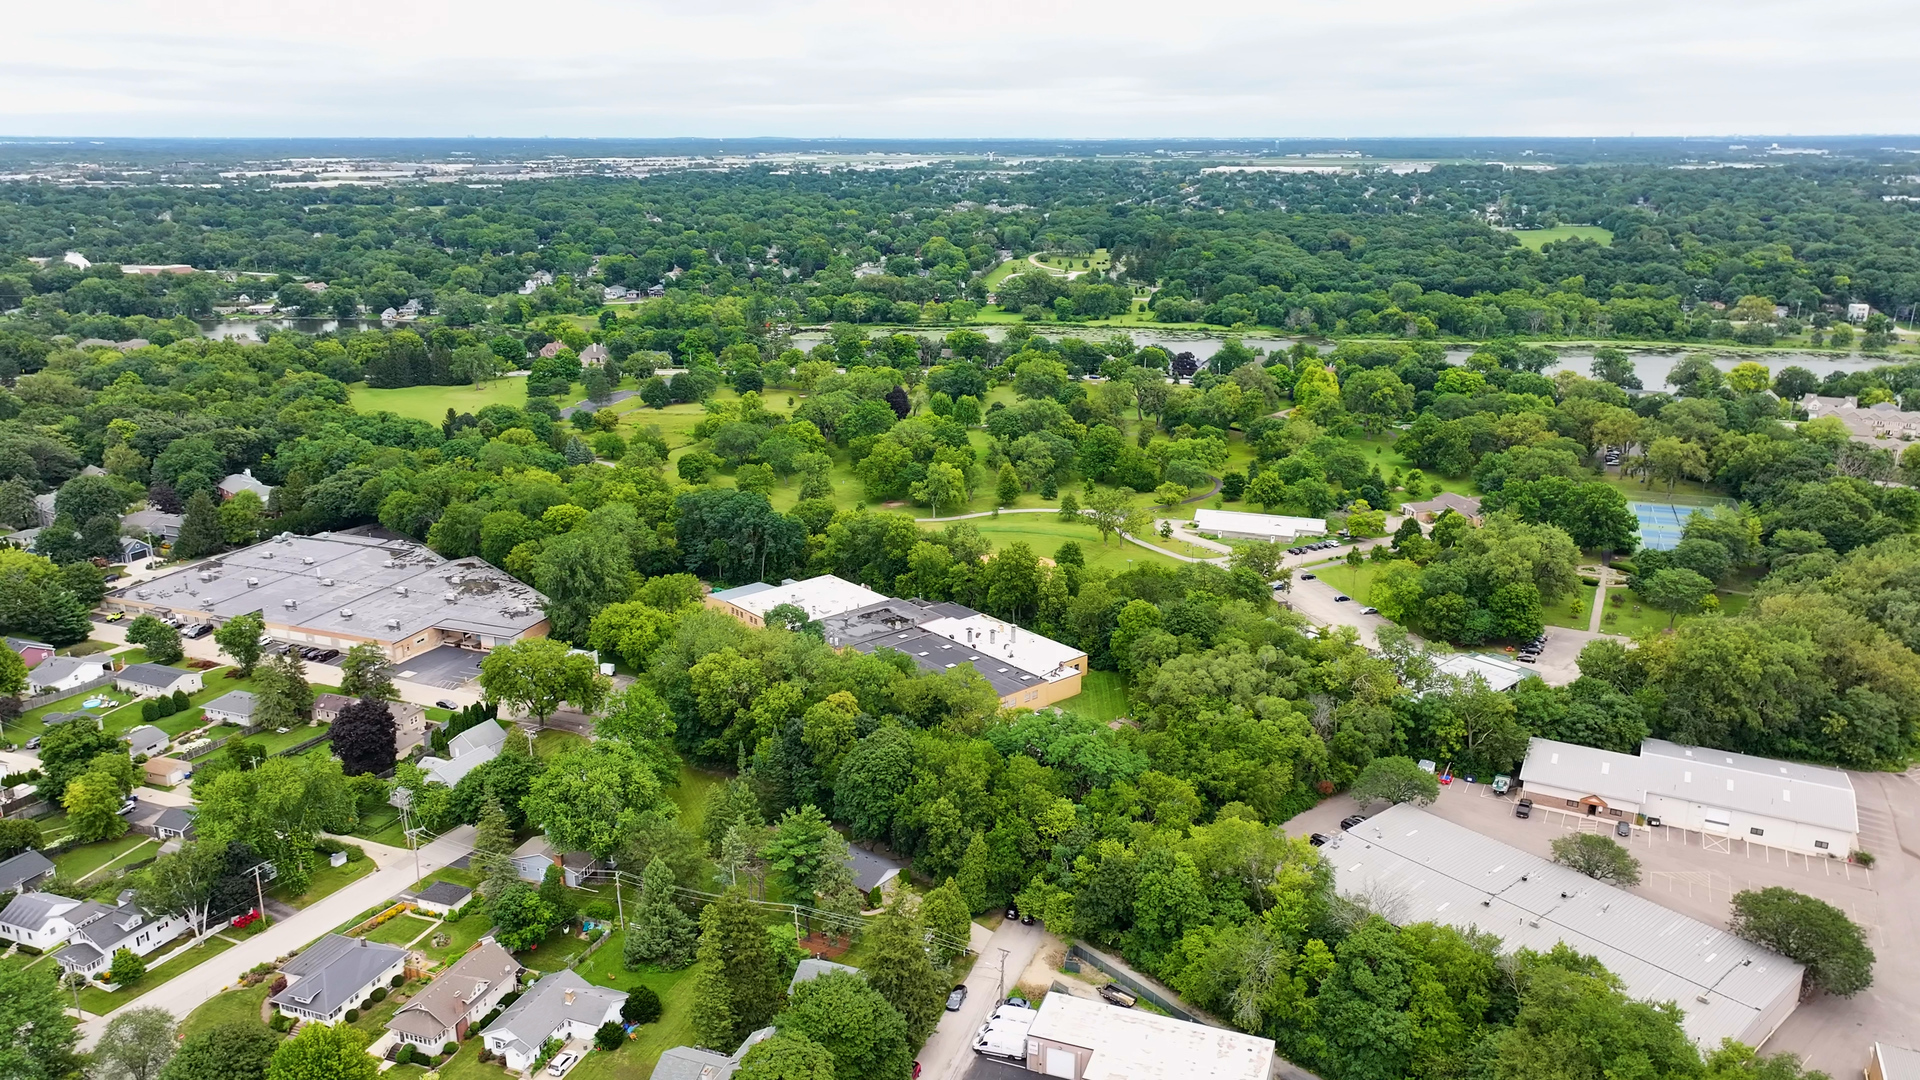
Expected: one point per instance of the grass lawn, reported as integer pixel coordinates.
(690, 794)
(231, 1007)
(1354, 581)
(430, 403)
(326, 881)
(400, 929)
(382, 827)
(460, 937)
(553, 953)
(90, 858)
(1102, 696)
(552, 741)
(274, 742)
(374, 1020)
(1539, 238)
(1044, 533)
(98, 1001)
(675, 1027)
(33, 721)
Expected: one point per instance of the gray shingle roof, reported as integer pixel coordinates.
(334, 971)
(445, 892)
(811, 969)
(693, 1063)
(23, 867)
(157, 675)
(146, 738)
(544, 1007)
(233, 703)
(55, 668)
(34, 909)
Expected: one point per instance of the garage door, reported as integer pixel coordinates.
(1716, 819)
(1062, 1063)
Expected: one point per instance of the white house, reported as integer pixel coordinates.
(1724, 795)
(1858, 313)
(41, 920)
(335, 974)
(458, 999)
(235, 483)
(466, 752)
(233, 707)
(153, 680)
(148, 740)
(560, 1006)
(91, 947)
(57, 673)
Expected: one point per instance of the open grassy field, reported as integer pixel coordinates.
(326, 881)
(430, 403)
(1354, 581)
(1044, 533)
(690, 794)
(1539, 238)
(674, 1028)
(1102, 696)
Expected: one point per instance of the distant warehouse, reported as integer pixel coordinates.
(1236, 525)
(1414, 867)
(339, 590)
(1781, 804)
(1025, 669)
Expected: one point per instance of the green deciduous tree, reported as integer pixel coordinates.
(365, 672)
(1807, 931)
(40, 1035)
(240, 638)
(521, 917)
(786, 1056)
(324, 1052)
(1598, 857)
(898, 967)
(738, 985)
(136, 1045)
(801, 848)
(866, 1035)
(945, 912)
(241, 1050)
(592, 798)
(1676, 592)
(161, 641)
(1396, 779)
(536, 675)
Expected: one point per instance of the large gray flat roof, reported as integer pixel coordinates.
(394, 589)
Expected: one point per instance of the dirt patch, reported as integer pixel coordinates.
(1044, 972)
(817, 946)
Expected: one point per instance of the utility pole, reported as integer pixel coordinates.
(1002, 994)
(259, 892)
(619, 904)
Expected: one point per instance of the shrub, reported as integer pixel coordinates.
(1863, 858)
(352, 1015)
(280, 1022)
(379, 994)
(641, 1007)
(450, 1049)
(875, 898)
(366, 1005)
(486, 1055)
(610, 1035)
(405, 1056)
(279, 984)
(397, 980)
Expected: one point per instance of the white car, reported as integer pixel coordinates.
(561, 1063)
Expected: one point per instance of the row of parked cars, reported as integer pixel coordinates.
(1317, 545)
(1530, 652)
(315, 653)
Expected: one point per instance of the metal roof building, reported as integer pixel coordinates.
(1412, 867)
(1804, 808)
(1271, 527)
(819, 597)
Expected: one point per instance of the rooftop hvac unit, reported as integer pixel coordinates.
(206, 575)
(306, 560)
(252, 581)
(400, 590)
(455, 579)
(346, 613)
(450, 597)
(327, 581)
(388, 564)
(393, 624)
(290, 604)
(140, 593)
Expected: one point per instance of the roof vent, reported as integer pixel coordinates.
(206, 575)
(306, 560)
(455, 579)
(346, 613)
(290, 604)
(393, 624)
(450, 597)
(400, 590)
(266, 554)
(252, 581)
(327, 581)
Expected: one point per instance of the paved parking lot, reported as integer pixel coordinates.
(444, 666)
(1698, 877)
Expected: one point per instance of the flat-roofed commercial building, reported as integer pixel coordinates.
(1804, 808)
(339, 590)
(1240, 525)
(1413, 867)
(820, 597)
(1025, 669)
(1091, 1040)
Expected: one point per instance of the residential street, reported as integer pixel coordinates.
(182, 994)
(949, 1051)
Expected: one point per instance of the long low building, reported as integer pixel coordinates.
(1782, 804)
(1412, 866)
(820, 597)
(338, 590)
(1083, 1039)
(1240, 525)
(1025, 669)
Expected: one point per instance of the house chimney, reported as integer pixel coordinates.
(569, 992)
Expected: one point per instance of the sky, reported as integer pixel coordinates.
(1031, 68)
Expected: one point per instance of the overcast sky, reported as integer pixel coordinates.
(865, 68)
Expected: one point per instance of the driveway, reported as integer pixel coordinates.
(397, 872)
(950, 1049)
(1315, 600)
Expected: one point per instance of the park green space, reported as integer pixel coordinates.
(1102, 697)
(430, 403)
(1539, 238)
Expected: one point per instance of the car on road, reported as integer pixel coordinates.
(1351, 821)
(116, 616)
(1012, 912)
(128, 806)
(1317, 839)
(1342, 598)
(1528, 658)
(1369, 611)
(1308, 577)
(33, 743)
(956, 998)
(1523, 808)
(561, 1063)
(443, 703)
(197, 630)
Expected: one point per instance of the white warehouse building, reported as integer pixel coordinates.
(1781, 804)
(1412, 866)
(1239, 525)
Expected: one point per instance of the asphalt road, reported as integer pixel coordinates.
(949, 1050)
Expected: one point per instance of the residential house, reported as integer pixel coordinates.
(56, 673)
(133, 549)
(233, 707)
(24, 871)
(693, 1063)
(812, 968)
(166, 771)
(1857, 313)
(593, 355)
(31, 653)
(91, 947)
(152, 524)
(153, 680)
(410, 723)
(531, 859)
(147, 740)
(466, 752)
(164, 822)
(560, 1006)
(244, 481)
(1880, 422)
(335, 974)
(42, 921)
(458, 999)
(551, 349)
(43, 508)
(871, 871)
(442, 898)
(1429, 510)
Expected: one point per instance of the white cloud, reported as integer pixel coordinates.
(858, 68)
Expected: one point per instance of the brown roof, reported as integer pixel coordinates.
(448, 998)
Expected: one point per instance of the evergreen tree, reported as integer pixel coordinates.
(899, 968)
(493, 848)
(739, 983)
(727, 805)
(1007, 489)
(553, 889)
(659, 932)
(200, 532)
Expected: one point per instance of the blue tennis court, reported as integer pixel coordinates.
(1661, 523)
